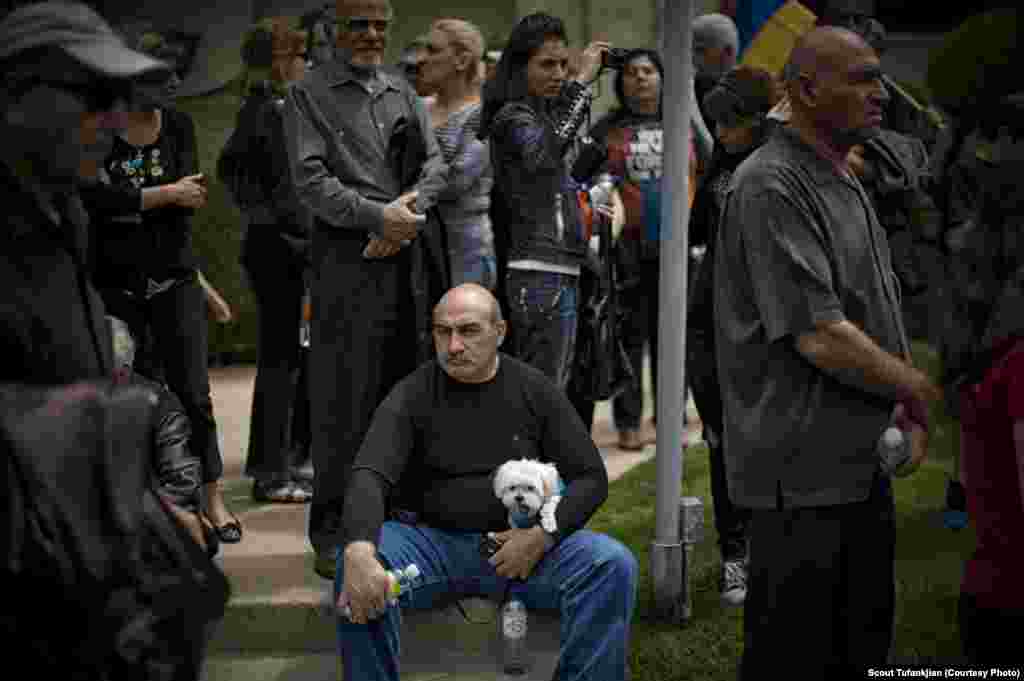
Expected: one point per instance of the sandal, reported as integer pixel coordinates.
(280, 492)
(228, 533)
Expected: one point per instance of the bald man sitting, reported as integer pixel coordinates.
(435, 442)
(813, 358)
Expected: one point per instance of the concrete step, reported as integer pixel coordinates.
(326, 667)
(433, 644)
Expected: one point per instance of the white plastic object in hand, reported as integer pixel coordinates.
(400, 582)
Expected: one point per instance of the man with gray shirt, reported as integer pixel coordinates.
(366, 163)
(814, 363)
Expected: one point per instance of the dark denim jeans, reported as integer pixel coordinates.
(589, 578)
(542, 313)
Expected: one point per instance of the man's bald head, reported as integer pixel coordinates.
(822, 51)
(470, 295)
(468, 330)
(834, 83)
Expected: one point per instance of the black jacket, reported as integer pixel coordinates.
(535, 203)
(97, 579)
(176, 472)
(52, 325)
(254, 166)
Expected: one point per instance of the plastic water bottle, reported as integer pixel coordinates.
(304, 328)
(893, 450)
(601, 192)
(400, 583)
(600, 196)
(513, 636)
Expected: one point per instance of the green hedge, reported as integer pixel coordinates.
(217, 229)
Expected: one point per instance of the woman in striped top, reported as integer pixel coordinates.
(453, 69)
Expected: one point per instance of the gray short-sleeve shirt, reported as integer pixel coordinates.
(799, 245)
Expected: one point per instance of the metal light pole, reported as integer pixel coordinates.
(668, 558)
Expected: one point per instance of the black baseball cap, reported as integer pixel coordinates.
(79, 31)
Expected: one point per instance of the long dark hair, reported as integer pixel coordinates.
(509, 81)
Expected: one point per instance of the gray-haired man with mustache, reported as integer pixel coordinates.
(351, 126)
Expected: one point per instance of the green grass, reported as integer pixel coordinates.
(929, 564)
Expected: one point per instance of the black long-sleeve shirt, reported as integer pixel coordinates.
(435, 443)
(129, 245)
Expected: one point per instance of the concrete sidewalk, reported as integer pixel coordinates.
(277, 627)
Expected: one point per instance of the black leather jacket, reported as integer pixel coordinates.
(177, 472)
(535, 197)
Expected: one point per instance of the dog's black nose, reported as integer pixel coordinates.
(519, 498)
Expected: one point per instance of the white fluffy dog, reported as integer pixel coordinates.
(529, 488)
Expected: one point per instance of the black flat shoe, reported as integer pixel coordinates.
(228, 533)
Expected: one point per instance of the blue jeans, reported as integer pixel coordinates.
(542, 312)
(589, 578)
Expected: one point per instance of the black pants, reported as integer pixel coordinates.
(730, 520)
(363, 343)
(584, 405)
(278, 295)
(639, 301)
(176, 320)
(301, 432)
(820, 598)
(990, 636)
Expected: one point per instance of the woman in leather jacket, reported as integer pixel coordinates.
(531, 116)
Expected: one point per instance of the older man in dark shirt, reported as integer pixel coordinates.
(366, 163)
(813, 360)
(438, 437)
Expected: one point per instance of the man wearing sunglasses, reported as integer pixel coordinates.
(64, 88)
(366, 163)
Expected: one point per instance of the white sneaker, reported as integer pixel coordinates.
(733, 583)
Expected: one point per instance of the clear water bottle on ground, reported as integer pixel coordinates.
(513, 636)
(401, 582)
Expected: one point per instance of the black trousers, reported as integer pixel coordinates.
(176, 322)
(363, 343)
(820, 592)
(278, 295)
(990, 636)
(301, 432)
(731, 521)
(639, 301)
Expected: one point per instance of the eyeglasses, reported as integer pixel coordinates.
(363, 25)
